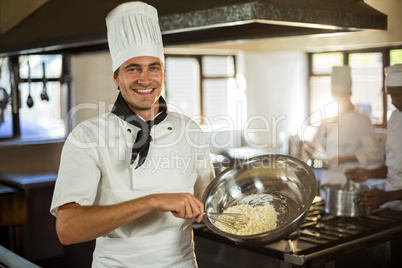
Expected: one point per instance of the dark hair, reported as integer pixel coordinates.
(116, 73)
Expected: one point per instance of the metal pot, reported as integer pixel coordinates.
(289, 180)
(344, 203)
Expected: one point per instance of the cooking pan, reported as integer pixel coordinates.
(343, 202)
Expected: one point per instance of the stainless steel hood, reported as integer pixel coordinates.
(269, 18)
(67, 24)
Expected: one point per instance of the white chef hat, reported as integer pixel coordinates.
(133, 31)
(341, 80)
(393, 75)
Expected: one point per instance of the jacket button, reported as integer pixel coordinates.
(169, 128)
(128, 130)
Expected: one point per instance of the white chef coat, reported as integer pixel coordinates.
(351, 134)
(95, 170)
(394, 156)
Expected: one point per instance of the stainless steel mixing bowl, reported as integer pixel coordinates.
(290, 181)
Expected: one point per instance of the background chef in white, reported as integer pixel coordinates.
(346, 140)
(118, 180)
(392, 170)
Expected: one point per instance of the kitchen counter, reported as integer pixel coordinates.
(9, 259)
(29, 181)
(13, 213)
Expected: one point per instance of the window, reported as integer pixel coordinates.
(36, 98)
(367, 84)
(367, 81)
(6, 121)
(320, 83)
(203, 87)
(183, 85)
(395, 56)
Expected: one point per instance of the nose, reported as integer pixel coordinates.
(144, 78)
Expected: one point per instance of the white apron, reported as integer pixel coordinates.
(170, 250)
(394, 158)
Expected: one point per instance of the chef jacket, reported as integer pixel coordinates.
(351, 134)
(95, 170)
(394, 156)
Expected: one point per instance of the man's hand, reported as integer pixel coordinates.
(373, 198)
(182, 205)
(357, 174)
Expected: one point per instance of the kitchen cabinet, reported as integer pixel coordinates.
(38, 234)
(13, 213)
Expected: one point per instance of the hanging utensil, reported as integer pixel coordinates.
(30, 101)
(44, 95)
(4, 99)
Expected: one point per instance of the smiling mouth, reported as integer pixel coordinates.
(144, 91)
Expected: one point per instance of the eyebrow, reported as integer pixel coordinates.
(139, 65)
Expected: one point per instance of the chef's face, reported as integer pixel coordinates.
(340, 96)
(396, 96)
(141, 80)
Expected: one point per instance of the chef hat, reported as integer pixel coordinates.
(133, 31)
(341, 79)
(393, 76)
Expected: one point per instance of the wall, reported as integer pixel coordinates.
(92, 85)
(276, 87)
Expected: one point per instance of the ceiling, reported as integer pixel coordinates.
(46, 25)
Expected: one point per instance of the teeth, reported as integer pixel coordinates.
(147, 90)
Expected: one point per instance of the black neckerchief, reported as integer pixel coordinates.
(141, 144)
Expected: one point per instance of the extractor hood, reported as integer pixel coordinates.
(65, 24)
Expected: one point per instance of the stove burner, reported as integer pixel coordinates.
(320, 231)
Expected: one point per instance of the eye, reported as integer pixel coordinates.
(132, 69)
(155, 68)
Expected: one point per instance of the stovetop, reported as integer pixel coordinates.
(322, 233)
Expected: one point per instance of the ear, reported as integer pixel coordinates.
(115, 80)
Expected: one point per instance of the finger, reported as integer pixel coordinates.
(174, 213)
(370, 200)
(189, 208)
(364, 200)
(182, 209)
(196, 207)
(199, 217)
(199, 209)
